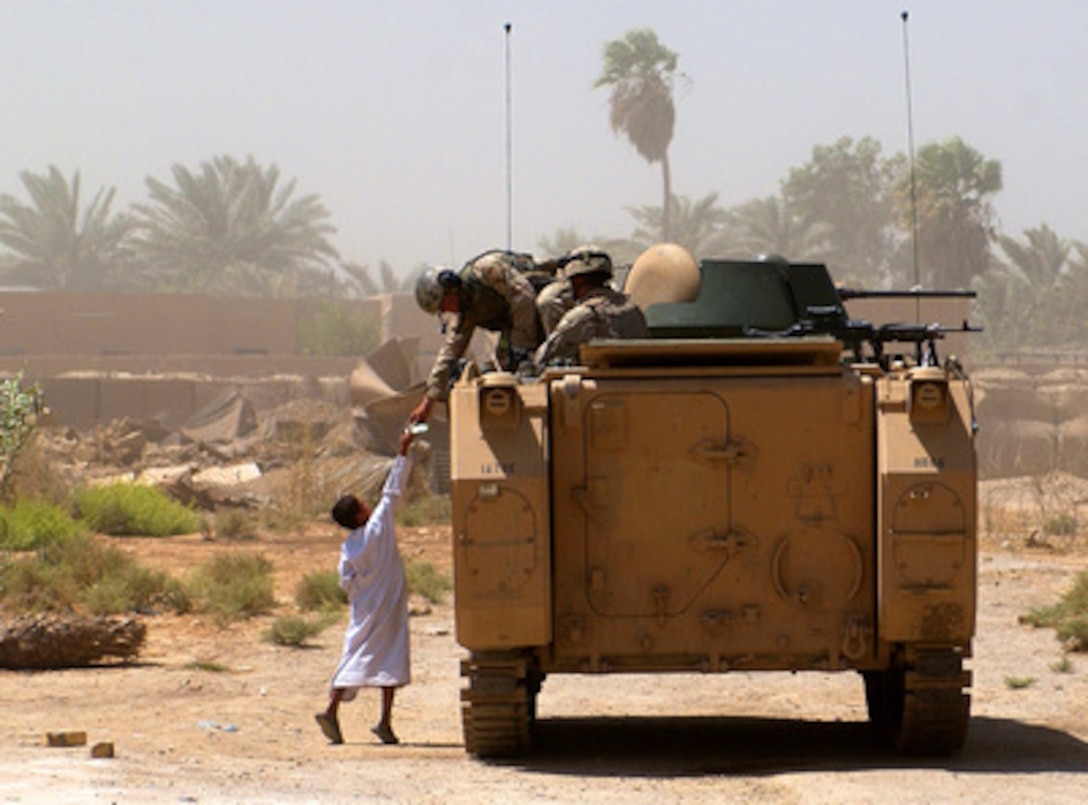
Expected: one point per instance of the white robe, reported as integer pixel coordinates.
(372, 574)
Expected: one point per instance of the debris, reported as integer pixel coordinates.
(67, 738)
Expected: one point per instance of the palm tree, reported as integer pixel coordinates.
(954, 184)
(361, 282)
(1073, 285)
(769, 226)
(639, 72)
(1026, 299)
(229, 229)
(1039, 261)
(52, 243)
(698, 226)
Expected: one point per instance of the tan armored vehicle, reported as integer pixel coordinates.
(763, 485)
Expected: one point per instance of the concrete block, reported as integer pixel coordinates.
(66, 738)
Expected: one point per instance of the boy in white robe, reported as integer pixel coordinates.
(372, 574)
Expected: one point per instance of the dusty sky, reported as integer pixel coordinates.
(395, 113)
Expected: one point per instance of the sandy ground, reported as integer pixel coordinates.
(247, 734)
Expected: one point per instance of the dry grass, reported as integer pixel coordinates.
(1038, 512)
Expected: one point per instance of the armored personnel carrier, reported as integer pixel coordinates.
(766, 484)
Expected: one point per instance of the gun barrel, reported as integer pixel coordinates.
(857, 293)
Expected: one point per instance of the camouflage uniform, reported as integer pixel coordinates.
(553, 301)
(495, 295)
(601, 313)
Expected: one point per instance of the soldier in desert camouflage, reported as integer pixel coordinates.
(492, 291)
(599, 311)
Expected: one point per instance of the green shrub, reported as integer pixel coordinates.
(1074, 633)
(32, 585)
(30, 524)
(234, 586)
(320, 592)
(1068, 617)
(293, 630)
(1019, 682)
(80, 573)
(424, 579)
(131, 509)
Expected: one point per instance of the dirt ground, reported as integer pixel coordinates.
(247, 734)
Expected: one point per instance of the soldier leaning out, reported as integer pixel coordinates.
(492, 291)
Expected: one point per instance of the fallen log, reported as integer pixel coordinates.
(52, 640)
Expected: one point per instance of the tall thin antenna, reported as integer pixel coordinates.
(905, 16)
(509, 150)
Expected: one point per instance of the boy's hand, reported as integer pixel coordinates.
(422, 411)
(404, 440)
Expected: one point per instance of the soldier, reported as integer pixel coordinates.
(598, 312)
(554, 300)
(492, 291)
(557, 296)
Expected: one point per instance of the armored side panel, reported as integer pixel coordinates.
(499, 490)
(927, 550)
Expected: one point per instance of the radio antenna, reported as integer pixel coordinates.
(905, 16)
(509, 150)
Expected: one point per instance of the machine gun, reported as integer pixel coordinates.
(856, 334)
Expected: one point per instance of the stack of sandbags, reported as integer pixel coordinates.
(1066, 391)
(1031, 424)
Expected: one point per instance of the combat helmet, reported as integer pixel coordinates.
(587, 260)
(431, 287)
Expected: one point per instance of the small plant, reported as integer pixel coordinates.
(35, 476)
(1060, 525)
(19, 410)
(234, 524)
(306, 491)
(1074, 633)
(30, 524)
(427, 510)
(207, 665)
(1068, 617)
(1019, 682)
(424, 579)
(320, 592)
(133, 510)
(1062, 666)
(294, 630)
(234, 586)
